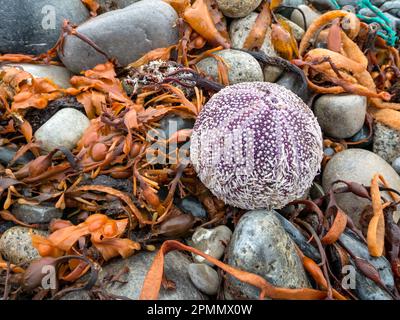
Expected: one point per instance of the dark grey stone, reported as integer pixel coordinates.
(242, 67)
(36, 214)
(193, 206)
(260, 245)
(8, 153)
(298, 238)
(367, 289)
(173, 123)
(125, 34)
(33, 27)
(124, 185)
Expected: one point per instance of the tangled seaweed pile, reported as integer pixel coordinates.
(118, 200)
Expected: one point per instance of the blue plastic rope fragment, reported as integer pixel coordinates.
(386, 33)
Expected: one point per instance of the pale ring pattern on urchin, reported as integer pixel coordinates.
(256, 145)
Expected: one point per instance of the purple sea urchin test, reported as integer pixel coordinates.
(256, 145)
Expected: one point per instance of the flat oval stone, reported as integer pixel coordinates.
(340, 116)
(65, 129)
(16, 245)
(357, 165)
(204, 277)
(59, 75)
(260, 245)
(242, 67)
(125, 34)
(33, 27)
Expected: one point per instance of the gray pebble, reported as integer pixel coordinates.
(261, 245)
(16, 245)
(36, 214)
(204, 277)
(242, 67)
(65, 129)
(309, 14)
(237, 8)
(211, 241)
(340, 116)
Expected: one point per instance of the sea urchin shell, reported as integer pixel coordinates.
(256, 145)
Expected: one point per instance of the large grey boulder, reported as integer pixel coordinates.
(125, 34)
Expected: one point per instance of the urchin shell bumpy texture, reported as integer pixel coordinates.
(256, 145)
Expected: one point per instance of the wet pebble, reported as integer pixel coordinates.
(211, 241)
(237, 8)
(16, 245)
(36, 214)
(386, 142)
(261, 245)
(193, 206)
(357, 165)
(65, 129)
(242, 67)
(240, 29)
(131, 33)
(204, 277)
(340, 116)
